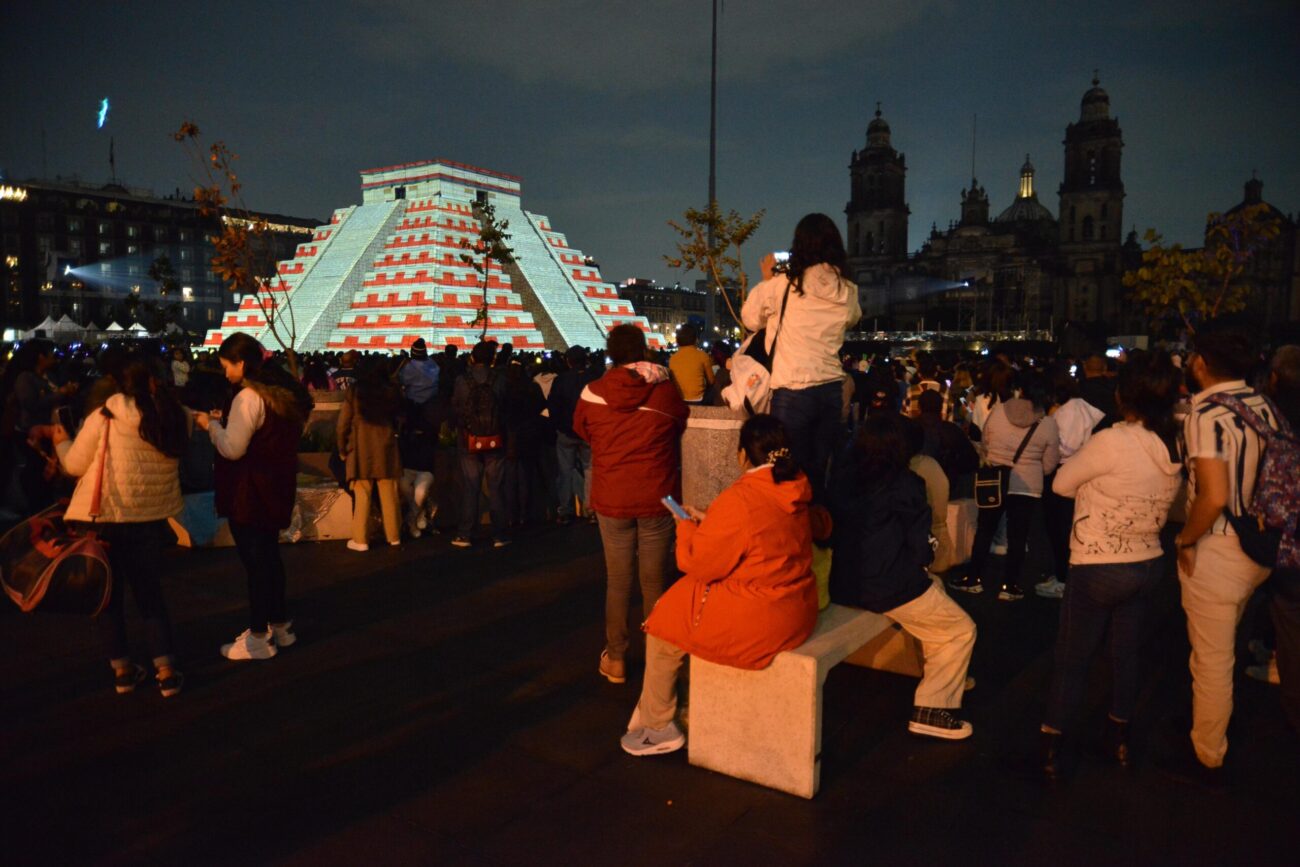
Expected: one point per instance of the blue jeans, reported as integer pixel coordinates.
(812, 422)
(472, 469)
(574, 456)
(1114, 597)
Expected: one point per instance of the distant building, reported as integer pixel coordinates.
(1027, 268)
(1275, 269)
(666, 308)
(67, 247)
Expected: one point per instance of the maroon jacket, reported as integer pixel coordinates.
(634, 428)
(259, 489)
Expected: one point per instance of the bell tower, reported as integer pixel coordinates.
(877, 210)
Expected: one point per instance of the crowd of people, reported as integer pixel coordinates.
(842, 492)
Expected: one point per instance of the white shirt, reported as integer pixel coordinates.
(1212, 431)
(247, 414)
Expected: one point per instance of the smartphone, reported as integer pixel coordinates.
(678, 512)
(781, 256)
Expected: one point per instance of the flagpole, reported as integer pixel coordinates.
(710, 304)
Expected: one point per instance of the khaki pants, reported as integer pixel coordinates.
(658, 704)
(1214, 597)
(361, 489)
(947, 636)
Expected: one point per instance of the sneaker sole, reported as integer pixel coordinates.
(258, 658)
(671, 746)
(935, 732)
(460, 544)
(974, 589)
(612, 678)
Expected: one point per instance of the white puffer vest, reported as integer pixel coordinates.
(140, 482)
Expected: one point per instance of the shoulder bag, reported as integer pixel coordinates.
(48, 565)
(991, 481)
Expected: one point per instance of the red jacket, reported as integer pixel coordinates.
(635, 429)
(749, 591)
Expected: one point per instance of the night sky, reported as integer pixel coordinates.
(602, 107)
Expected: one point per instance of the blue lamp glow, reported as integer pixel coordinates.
(103, 112)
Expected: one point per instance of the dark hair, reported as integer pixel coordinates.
(1147, 386)
(1033, 388)
(243, 347)
(687, 335)
(483, 353)
(625, 344)
(816, 241)
(1065, 386)
(926, 366)
(760, 437)
(1227, 354)
(163, 423)
(931, 402)
(880, 448)
(997, 381)
(377, 398)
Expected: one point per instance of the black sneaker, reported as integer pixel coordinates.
(1010, 593)
(1183, 765)
(939, 722)
(171, 685)
(967, 584)
(128, 680)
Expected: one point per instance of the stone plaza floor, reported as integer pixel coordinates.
(443, 707)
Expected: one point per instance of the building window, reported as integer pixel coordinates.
(212, 314)
(186, 254)
(105, 248)
(74, 224)
(105, 227)
(133, 231)
(44, 222)
(159, 233)
(187, 273)
(184, 236)
(1105, 210)
(105, 268)
(1087, 228)
(133, 270)
(74, 246)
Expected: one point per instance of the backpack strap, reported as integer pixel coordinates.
(780, 320)
(1243, 411)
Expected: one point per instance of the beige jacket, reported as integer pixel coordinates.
(810, 336)
(140, 482)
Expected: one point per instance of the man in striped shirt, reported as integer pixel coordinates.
(1222, 454)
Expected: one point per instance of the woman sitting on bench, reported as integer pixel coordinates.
(748, 592)
(882, 549)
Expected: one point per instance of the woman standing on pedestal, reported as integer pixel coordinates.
(806, 309)
(256, 483)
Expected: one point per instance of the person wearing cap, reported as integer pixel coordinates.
(419, 375)
(571, 451)
(346, 376)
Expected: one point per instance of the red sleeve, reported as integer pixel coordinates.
(711, 550)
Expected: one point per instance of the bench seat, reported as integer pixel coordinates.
(765, 726)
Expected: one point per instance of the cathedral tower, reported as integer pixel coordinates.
(877, 210)
(1092, 211)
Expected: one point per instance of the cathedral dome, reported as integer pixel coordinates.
(1026, 207)
(878, 131)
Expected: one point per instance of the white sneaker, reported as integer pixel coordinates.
(283, 634)
(357, 546)
(248, 646)
(653, 742)
(422, 521)
(1050, 589)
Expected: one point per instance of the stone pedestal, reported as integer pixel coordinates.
(709, 448)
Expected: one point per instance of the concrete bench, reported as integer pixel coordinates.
(766, 726)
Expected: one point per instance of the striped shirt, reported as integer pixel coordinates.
(1213, 431)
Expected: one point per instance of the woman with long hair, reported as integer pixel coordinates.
(146, 430)
(748, 591)
(1123, 481)
(367, 438)
(805, 310)
(256, 439)
(883, 551)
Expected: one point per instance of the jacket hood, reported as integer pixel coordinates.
(1020, 412)
(789, 496)
(823, 281)
(1089, 413)
(1153, 446)
(623, 389)
(282, 401)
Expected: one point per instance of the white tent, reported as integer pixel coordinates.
(113, 326)
(46, 326)
(66, 329)
(137, 329)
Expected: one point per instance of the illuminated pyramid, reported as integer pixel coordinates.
(388, 271)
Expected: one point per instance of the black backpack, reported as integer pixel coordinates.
(484, 418)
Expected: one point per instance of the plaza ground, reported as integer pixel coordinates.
(443, 707)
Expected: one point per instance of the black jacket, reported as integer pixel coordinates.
(881, 539)
(565, 392)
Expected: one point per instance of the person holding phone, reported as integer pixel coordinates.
(748, 592)
(806, 307)
(256, 483)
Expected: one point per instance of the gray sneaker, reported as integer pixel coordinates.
(653, 742)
